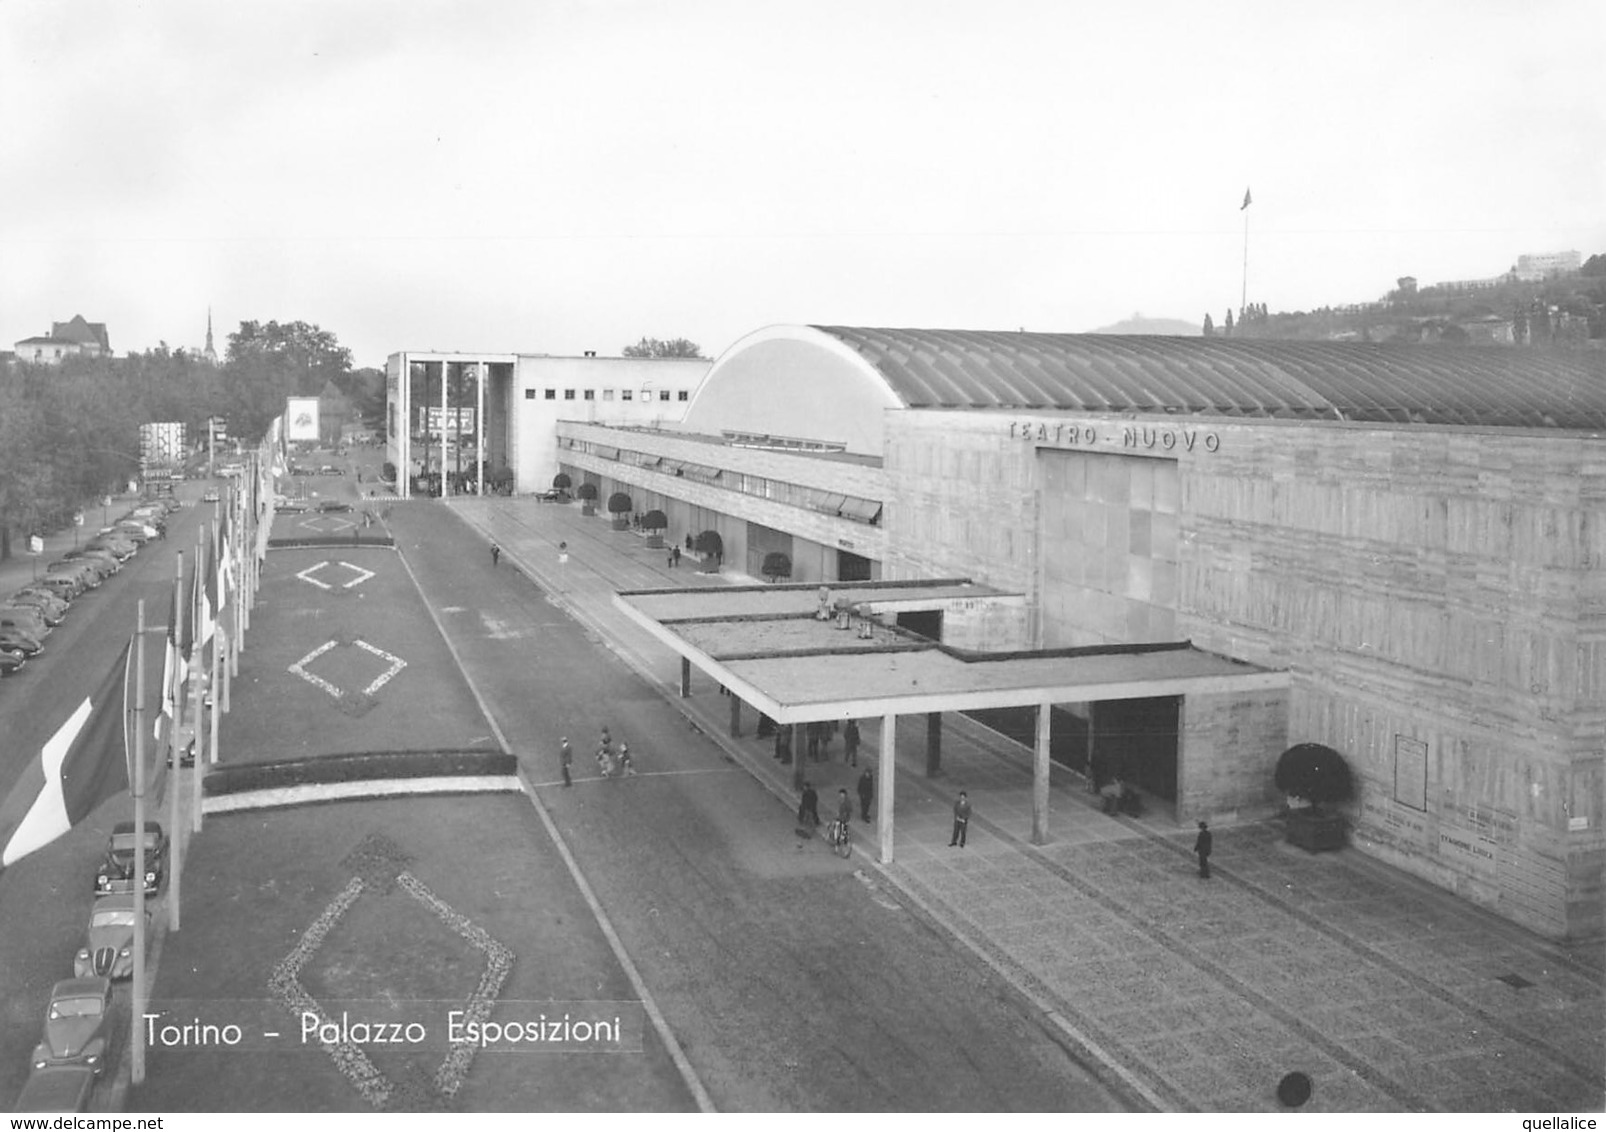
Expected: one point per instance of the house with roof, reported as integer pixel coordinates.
(76, 337)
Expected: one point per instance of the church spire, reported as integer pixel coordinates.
(211, 351)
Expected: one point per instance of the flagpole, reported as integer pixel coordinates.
(1243, 300)
(175, 841)
(136, 1037)
(202, 562)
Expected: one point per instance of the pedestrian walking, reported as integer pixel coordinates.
(1202, 845)
(850, 742)
(844, 808)
(566, 760)
(961, 820)
(783, 744)
(866, 792)
(808, 810)
(496, 554)
(626, 767)
(675, 550)
(604, 761)
(669, 558)
(812, 733)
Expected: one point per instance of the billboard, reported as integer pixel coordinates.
(451, 420)
(301, 418)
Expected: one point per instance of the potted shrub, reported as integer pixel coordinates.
(777, 565)
(1318, 776)
(712, 549)
(619, 506)
(586, 493)
(655, 523)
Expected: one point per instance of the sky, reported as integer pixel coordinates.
(554, 177)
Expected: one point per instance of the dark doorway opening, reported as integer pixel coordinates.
(924, 622)
(1067, 733)
(1137, 740)
(852, 567)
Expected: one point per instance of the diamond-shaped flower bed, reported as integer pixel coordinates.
(311, 576)
(328, 524)
(386, 939)
(353, 701)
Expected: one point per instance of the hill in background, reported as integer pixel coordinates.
(1137, 324)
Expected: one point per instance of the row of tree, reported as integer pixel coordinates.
(69, 432)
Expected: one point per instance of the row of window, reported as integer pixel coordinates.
(607, 394)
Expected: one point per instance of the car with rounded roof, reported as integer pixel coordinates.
(16, 640)
(51, 608)
(77, 1025)
(116, 872)
(11, 663)
(108, 947)
(29, 620)
(57, 1088)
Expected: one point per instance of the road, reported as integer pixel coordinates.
(45, 898)
(793, 980)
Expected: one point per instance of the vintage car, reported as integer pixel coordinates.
(116, 872)
(108, 950)
(327, 505)
(76, 1025)
(210, 495)
(20, 640)
(11, 663)
(57, 1088)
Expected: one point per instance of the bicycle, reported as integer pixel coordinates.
(841, 838)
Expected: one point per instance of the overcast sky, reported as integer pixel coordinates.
(554, 177)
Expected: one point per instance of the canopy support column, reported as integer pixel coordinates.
(685, 677)
(933, 744)
(1045, 718)
(887, 774)
(736, 714)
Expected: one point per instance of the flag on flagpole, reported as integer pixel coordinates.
(84, 763)
(205, 590)
(1247, 201)
(175, 662)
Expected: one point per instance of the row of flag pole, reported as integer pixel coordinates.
(99, 751)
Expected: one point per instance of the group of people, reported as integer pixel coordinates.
(611, 763)
(808, 809)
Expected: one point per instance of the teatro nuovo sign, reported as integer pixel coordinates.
(1135, 438)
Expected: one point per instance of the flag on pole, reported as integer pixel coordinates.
(84, 763)
(1247, 201)
(205, 590)
(175, 662)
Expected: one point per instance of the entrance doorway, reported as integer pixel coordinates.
(924, 622)
(1137, 740)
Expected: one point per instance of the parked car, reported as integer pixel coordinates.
(76, 1025)
(63, 586)
(123, 548)
(83, 571)
(328, 505)
(25, 620)
(57, 1088)
(116, 872)
(11, 663)
(108, 950)
(93, 555)
(101, 569)
(331, 470)
(52, 610)
(15, 640)
(211, 496)
(138, 529)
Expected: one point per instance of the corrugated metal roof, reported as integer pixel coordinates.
(1454, 385)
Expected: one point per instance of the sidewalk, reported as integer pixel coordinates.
(22, 568)
(1390, 994)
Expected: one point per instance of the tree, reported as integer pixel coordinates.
(267, 362)
(654, 522)
(777, 565)
(1209, 326)
(661, 348)
(1314, 774)
(562, 482)
(1227, 327)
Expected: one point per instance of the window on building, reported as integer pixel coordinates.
(568, 395)
(591, 394)
(663, 395)
(624, 395)
(529, 395)
(551, 394)
(607, 394)
(685, 395)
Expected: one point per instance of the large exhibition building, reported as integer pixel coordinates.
(1412, 535)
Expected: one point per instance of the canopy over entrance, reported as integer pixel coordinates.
(801, 654)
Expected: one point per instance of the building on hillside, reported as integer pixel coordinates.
(1535, 268)
(74, 338)
(1411, 532)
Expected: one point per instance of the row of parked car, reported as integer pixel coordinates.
(28, 616)
(79, 1021)
(74, 1048)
